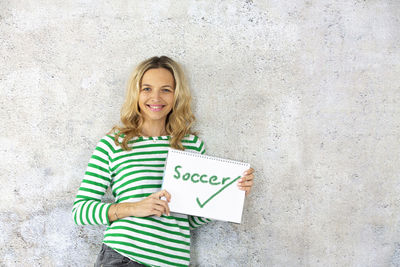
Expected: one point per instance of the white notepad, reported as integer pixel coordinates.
(204, 186)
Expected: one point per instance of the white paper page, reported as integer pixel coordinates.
(204, 186)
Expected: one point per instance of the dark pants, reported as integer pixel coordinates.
(111, 258)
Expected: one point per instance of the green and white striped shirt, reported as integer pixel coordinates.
(133, 175)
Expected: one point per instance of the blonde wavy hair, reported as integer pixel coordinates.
(179, 120)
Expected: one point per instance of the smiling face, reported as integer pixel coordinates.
(156, 95)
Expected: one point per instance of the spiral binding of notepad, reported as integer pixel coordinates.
(208, 157)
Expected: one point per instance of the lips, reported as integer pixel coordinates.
(155, 107)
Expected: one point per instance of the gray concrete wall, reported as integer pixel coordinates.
(308, 92)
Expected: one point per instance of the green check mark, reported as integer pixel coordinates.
(216, 193)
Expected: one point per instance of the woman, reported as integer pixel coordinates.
(130, 160)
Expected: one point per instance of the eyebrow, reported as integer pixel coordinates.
(145, 84)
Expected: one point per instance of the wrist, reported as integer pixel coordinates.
(132, 208)
(116, 211)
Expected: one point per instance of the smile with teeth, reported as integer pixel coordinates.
(155, 107)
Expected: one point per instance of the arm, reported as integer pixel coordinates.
(151, 205)
(88, 208)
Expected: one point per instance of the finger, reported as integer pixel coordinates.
(246, 184)
(155, 200)
(248, 171)
(156, 209)
(165, 206)
(162, 206)
(245, 187)
(166, 194)
(246, 178)
(156, 212)
(163, 193)
(168, 211)
(154, 196)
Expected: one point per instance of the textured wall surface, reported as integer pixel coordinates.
(308, 92)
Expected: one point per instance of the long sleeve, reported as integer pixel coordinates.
(195, 221)
(88, 208)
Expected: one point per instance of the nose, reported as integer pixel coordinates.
(155, 94)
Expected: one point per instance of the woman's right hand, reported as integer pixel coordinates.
(152, 205)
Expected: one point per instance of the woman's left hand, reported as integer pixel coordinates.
(246, 182)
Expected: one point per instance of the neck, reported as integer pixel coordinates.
(153, 129)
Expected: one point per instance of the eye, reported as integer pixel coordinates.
(167, 90)
(146, 89)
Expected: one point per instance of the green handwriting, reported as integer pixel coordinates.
(216, 193)
(202, 178)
